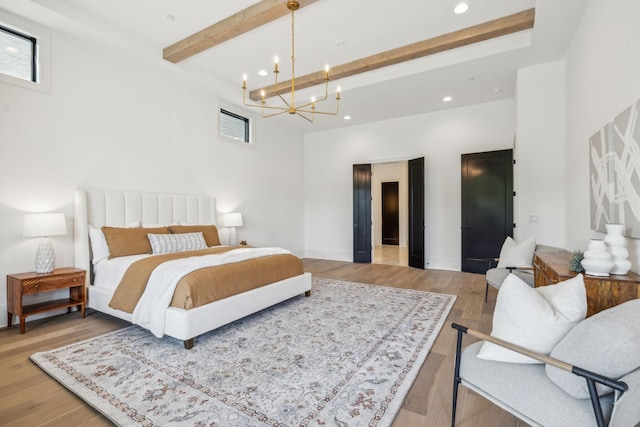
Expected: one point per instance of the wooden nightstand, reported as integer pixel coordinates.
(34, 283)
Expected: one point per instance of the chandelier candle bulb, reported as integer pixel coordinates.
(275, 61)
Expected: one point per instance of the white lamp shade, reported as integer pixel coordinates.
(44, 224)
(232, 219)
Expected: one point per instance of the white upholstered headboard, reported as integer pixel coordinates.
(118, 208)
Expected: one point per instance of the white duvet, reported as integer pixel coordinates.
(150, 310)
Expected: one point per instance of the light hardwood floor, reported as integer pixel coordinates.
(391, 255)
(29, 397)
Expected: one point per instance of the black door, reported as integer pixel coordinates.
(487, 207)
(362, 213)
(390, 214)
(416, 213)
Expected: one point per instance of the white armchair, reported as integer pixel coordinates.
(516, 258)
(553, 393)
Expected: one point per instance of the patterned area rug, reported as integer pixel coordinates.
(346, 356)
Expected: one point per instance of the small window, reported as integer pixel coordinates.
(235, 124)
(18, 55)
(25, 53)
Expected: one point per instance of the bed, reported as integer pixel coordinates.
(97, 208)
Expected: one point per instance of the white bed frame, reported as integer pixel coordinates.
(117, 208)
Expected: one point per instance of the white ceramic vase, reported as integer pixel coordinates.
(617, 245)
(597, 259)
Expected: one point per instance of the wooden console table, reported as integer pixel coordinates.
(551, 265)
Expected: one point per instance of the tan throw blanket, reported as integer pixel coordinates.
(205, 285)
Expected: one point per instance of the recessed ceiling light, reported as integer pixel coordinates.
(461, 8)
(347, 117)
(262, 73)
(447, 99)
(497, 90)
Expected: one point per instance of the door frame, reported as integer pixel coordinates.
(395, 160)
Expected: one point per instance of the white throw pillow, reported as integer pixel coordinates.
(99, 247)
(515, 254)
(169, 243)
(534, 318)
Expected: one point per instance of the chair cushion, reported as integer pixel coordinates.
(515, 254)
(626, 411)
(534, 318)
(496, 276)
(607, 343)
(525, 391)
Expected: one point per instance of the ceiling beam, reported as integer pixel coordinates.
(246, 20)
(477, 33)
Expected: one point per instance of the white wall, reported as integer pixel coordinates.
(602, 79)
(540, 154)
(390, 172)
(112, 122)
(440, 137)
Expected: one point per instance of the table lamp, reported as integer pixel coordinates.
(44, 225)
(232, 220)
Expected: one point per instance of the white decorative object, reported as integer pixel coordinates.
(232, 220)
(597, 259)
(617, 245)
(44, 225)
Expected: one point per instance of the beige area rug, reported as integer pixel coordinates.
(346, 356)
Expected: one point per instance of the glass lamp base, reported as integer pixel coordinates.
(233, 237)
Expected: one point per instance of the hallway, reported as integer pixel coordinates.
(391, 255)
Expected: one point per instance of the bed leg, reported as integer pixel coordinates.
(188, 344)
(307, 293)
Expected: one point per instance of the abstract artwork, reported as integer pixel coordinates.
(615, 173)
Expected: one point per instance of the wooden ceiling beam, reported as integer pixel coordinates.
(477, 33)
(246, 20)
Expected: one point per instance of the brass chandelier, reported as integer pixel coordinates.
(306, 111)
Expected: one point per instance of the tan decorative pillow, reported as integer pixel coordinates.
(130, 241)
(210, 232)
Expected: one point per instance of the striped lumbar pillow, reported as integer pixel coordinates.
(169, 243)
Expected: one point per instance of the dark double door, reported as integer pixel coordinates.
(487, 207)
(362, 213)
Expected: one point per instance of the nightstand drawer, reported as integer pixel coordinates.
(50, 283)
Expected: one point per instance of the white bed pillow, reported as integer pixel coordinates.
(99, 247)
(515, 254)
(170, 243)
(534, 318)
